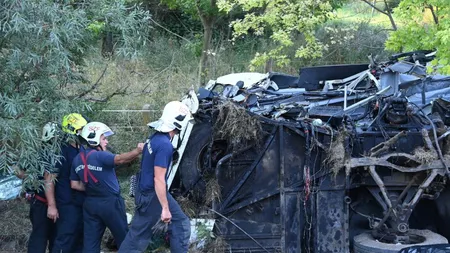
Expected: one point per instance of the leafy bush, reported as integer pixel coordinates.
(351, 42)
(42, 50)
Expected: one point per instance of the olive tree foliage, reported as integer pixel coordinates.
(122, 28)
(43, 45)
(286, 22)
(424, 24)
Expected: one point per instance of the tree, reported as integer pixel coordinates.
(208, 12)
(118, 25)
(285, 22)
(43, 45)
(425, 24)
(387, 10)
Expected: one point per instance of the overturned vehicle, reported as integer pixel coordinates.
(348, 158)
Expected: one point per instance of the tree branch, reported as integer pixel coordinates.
(182, 23)
(435, 17)
(94, 86)
(389, 14)
(375, 7)
(199, 10)
(167, 30)
(118, 92)
(157, 74)
(107, 98)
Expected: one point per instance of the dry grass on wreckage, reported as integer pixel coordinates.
(214, 244)
(425, 156)
(189, 207)
(336, 155)
(213, 191)
(235, 125)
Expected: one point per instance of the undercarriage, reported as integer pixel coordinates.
(354, 160)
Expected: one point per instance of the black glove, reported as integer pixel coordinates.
(133, 184)
(160, 228)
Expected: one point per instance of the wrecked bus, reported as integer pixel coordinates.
(348, 158)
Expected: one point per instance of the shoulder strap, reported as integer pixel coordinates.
(86, 168)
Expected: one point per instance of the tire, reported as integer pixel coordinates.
(194, 165)
(190, 168)
(365, 243)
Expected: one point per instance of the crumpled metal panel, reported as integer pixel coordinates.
(10, 187)
(267, 203)
(410, 68)
(249, 78)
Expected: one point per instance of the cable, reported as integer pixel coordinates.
(370, 218)
(438, 148)
(243, 231)
(378, 120)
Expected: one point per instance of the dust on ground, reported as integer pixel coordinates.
(16, 225)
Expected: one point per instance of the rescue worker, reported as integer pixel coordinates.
(153, 201)
(69, 232)
(93, 172)
(43, 212)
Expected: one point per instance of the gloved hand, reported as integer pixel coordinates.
(133, 184)
(160, 228)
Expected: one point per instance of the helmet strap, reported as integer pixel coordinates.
(172, 134)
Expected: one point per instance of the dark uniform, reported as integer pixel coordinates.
(43, 229)
(69, 236)
(103, 206)
(157, 152)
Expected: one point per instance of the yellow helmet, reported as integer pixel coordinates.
(73, 122)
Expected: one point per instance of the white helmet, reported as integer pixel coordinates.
(173, 116)
(49, 131)
(92, 131)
